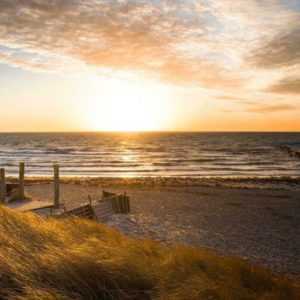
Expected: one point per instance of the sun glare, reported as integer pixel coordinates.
(117, 105)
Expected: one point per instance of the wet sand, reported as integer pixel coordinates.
(258, 222)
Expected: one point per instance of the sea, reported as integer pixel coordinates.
(153, 154)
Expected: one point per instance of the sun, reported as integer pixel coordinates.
(125, 106)
(130, 114)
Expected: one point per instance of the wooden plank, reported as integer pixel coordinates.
(103, 210)
(10, 187)
(2, 185)
(21, 180)
(56, 186)
(84, 211)
(32, 205)
(106, 195)
(122, 204)
(127, 204)
(114, 204)
(117, 205)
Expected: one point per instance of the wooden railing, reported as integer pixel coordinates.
(19, 187)
(111, 203)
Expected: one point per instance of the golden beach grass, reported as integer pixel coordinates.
(79, 259)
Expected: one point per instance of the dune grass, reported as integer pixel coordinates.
(79, 259)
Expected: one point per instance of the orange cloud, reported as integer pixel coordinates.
(206, 44)
(287, 85)
(271, 108)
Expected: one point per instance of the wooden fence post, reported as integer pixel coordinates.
(56, 185)
(121, 209)
(127, 203)
(114, 204)
(21, 180)
(90, 200)
(124, 206)
(2, 185)
(118, 204)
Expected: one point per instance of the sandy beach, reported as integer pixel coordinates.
(259, 221)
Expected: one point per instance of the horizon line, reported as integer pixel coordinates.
(154, 131)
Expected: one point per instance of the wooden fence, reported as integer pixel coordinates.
(85, 211)
(120, 203)
(7, 188)
(101, 210)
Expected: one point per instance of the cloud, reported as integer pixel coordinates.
(279, 56)
(286, 86)
(283, 50)
(231, 98)
(271, 108)
(255, 104)
(122, 35)
(204, 43)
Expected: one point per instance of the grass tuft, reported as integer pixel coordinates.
(79, 259)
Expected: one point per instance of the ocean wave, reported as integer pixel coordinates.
(167, 154)
(290, 151)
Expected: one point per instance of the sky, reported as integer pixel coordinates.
(193, 65)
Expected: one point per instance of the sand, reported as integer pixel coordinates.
(259, 222)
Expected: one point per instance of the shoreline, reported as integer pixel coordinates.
(274, 182)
